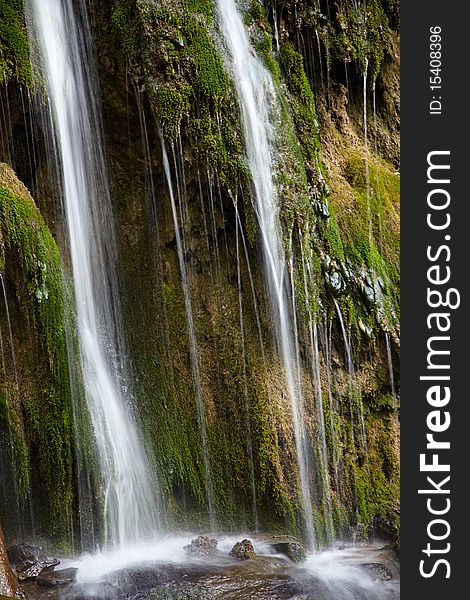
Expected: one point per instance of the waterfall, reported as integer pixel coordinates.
(366, 146)
(322, 469)
(129, 503)
(255, 90)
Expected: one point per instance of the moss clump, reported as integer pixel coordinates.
(302, 104)
(172, 103)
(124, 21)
(360, 33)
(14, 48)
(32, 262)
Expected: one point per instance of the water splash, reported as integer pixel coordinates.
(129, 503)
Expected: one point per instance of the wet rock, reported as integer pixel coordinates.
(243, 550)
(369, 296)
(321, 209)
(335, 283)
(347, 271)
(326, 263)
(293, 550)
(202, 546)
(29, 561)
(103, 591)
(366, 329)
(57, 578)
(378, 571)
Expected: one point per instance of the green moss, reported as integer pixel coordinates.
(302, 104)
(14, 48)
(172, 103)
(361, 33)
(32, 258)
(381, 253)
(124, 22)
(377, 480)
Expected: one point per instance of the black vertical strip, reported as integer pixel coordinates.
(424, 132)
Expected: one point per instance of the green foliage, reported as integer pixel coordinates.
(14, 48)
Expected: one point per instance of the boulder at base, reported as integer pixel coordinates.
(202, 546)
(243, 550)
(29, 561)
(292, 549)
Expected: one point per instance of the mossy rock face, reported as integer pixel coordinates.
(162, 71)
(190, 95)
(14, 48)
(36, 405)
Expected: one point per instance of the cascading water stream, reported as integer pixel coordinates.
(129, 499)
(256, 91)
(366, 146)
(350, 366)
(316, 378)
(335, 427)
(391, 376)
(245, 383)
(10, 334)
(378, 192)
(193, 349)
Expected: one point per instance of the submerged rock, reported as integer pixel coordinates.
(202, 546)
(243, 550)
(29, 561)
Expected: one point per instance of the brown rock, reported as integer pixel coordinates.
(243, 550)
(202, 546)
(7, 580)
